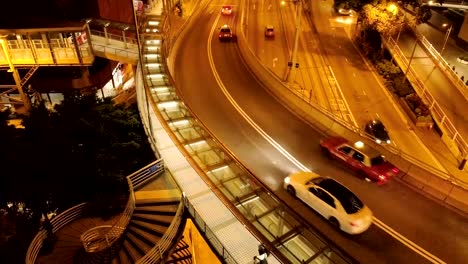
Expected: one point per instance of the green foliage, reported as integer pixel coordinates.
(356, 5)
(81, 150)
(387, 68)
(379, 18)
(417, 105)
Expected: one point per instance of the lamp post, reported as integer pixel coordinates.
(296, 40)
(447, 36)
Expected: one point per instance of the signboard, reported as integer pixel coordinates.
(138, 5)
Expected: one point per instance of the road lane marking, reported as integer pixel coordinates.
(410, 244)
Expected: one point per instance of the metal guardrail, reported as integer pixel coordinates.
(114, 37)
(120, 52)
(209, 234)
(437, 112)
(101, 237)
(57, 223)
(445, 66)
(157, 252)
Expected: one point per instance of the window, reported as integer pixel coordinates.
(323, 196)
(348, 200)
(358, 156)
(345, 149)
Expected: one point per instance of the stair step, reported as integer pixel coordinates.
(157, 210)
(179, 260)
(124, 257)
(162, 220)
(148, 227)
(139, 244)
(143, 202)
(116, 260)
(132, 252)
(149, 238)
(181, 248)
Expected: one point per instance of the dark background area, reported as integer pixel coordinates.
(40, 13)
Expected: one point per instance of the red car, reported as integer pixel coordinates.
(226, 10)
(365, 161)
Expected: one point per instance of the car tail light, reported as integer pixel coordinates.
(395, 170)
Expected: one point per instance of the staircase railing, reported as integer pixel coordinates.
(57, 223)
(156, 254)
(101, 237)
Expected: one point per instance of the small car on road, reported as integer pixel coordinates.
(367, 162)
(376, 129)
(336, 203)
(225, 33)
(269, 32)
(226, 10)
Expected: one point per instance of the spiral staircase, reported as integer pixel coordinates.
(146, 231)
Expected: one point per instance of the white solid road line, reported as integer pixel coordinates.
(413, 246)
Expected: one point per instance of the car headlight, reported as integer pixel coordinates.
(287, 180)
(388, 141)
(378, 141)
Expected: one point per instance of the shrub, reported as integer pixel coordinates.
(386, 68)
(417, 105)
(402, 86)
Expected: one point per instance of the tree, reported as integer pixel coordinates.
(80, 151)
(379, 18)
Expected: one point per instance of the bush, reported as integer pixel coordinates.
(417, 105)
(387, 68)
(402, 87)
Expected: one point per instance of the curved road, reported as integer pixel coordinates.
(203, 83)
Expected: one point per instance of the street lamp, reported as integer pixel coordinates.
(447, 36)
(392, 8)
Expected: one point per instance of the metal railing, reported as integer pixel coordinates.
(444, 65)
(102, 237)
(119, 52)
(57, 223)
(209, 234)
(114, 37)
(156, 254)
(437, 112)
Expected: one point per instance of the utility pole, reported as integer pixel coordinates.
(447, 36)
(296, 40)
(411, 58)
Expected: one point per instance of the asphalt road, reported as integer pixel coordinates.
(430, 225)
(363, 89)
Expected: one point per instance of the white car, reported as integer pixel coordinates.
(336, 203)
